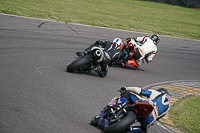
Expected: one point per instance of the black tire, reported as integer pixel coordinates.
(94, 121)
(122, 124)
(77, 63)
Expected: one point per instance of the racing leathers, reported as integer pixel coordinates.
(111, 53)
(139, 48)
(158, 98)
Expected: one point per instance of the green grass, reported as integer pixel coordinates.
(186, 114)
(134, 15)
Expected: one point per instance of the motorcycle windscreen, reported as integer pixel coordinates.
(143, 108)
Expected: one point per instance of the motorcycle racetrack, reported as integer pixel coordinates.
(37, 95)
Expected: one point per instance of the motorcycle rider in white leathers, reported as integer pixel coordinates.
(139, 48)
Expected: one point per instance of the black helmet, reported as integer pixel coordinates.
(163, 90)
(155, 38)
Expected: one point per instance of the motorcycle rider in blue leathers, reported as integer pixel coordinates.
(158, 98)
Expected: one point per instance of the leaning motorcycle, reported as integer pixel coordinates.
(88, 61)
(119, 117)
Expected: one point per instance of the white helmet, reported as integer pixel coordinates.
(118, 41)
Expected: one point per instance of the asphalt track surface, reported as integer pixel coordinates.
(37, 95)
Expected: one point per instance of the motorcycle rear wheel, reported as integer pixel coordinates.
(121, 124)
(78, 62)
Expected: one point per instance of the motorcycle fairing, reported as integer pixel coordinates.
(143, 108)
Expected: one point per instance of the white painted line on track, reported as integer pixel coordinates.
(92, 26)
(37, 69)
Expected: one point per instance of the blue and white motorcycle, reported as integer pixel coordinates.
(119, 117)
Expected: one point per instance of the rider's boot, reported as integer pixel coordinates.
(81, 53)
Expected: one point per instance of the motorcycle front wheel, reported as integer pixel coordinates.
(95, 120)
(78, 63)
(122, 124)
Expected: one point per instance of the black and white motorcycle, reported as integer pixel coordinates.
(96, 58)
(87, 61)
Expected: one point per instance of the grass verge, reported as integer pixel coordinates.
(185, 114)
(134, 15)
